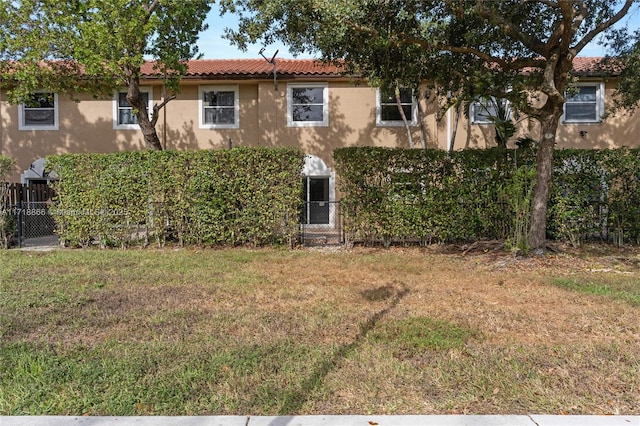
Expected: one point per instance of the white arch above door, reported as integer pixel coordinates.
(315, 166)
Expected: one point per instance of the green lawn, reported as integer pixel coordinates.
(264, 332)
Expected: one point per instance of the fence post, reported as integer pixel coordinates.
(341, 238)
(20, 216)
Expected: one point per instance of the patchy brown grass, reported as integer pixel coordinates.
(363, 331)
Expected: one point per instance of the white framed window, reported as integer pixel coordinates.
(482, 110)
(124, 116)
(307, 104)
(387, 113)
(585, 105)
(219, 107)
(40, 112)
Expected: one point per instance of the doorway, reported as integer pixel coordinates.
(320, 212)
(316, 209)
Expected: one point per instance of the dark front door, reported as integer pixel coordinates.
(316, 197)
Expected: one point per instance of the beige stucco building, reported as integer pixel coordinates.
(307, 104)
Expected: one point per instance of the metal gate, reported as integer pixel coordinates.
(26, 212)
(321, 223)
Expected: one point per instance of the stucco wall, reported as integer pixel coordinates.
(87, 126)
(617, 130)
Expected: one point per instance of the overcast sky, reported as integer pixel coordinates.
(213, 46)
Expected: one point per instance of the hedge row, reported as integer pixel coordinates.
(223, 197)
(596, 193)
(416, 195)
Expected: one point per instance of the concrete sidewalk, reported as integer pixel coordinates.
(357, 420)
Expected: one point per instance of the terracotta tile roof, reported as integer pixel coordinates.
(310, 68)
(300, 68)
(595, 66)
(585, 64)
(253, 68)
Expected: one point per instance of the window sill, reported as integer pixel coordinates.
(582, 123)
(218, 126)
(37, 128)
(308, 124)
(126, 127)
(395, 124)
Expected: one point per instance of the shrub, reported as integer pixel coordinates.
(430, 195)
(238, 196)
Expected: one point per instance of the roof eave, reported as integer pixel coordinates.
(247, 77)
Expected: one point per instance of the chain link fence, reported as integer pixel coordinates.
(25, 214)
(26, 221)
(321, 223)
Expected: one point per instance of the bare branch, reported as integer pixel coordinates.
(158, 107)
(506, 64)
(567, 27)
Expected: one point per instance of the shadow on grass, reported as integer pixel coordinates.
(294, 399)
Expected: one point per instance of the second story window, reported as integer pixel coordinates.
(388, 114)
(308, 104)
(219, 107)
(586, 105)
(125, 116)
(40, 112)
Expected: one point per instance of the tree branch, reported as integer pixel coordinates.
(509, 29)
(506, 64)
(568, 26)
(582, 12)
(363, 29)
(158, 107)
(548, 3)
(555, 37)
(604, 26)
(549, 83)
(150, 8)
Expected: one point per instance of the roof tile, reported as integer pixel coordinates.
(252, 68)
(596, 66)
(260, 68)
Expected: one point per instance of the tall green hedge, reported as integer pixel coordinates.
(222, 197)
(430, 195)
(596, 193)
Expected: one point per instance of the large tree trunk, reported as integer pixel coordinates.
(544, 168)
(134, 97)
